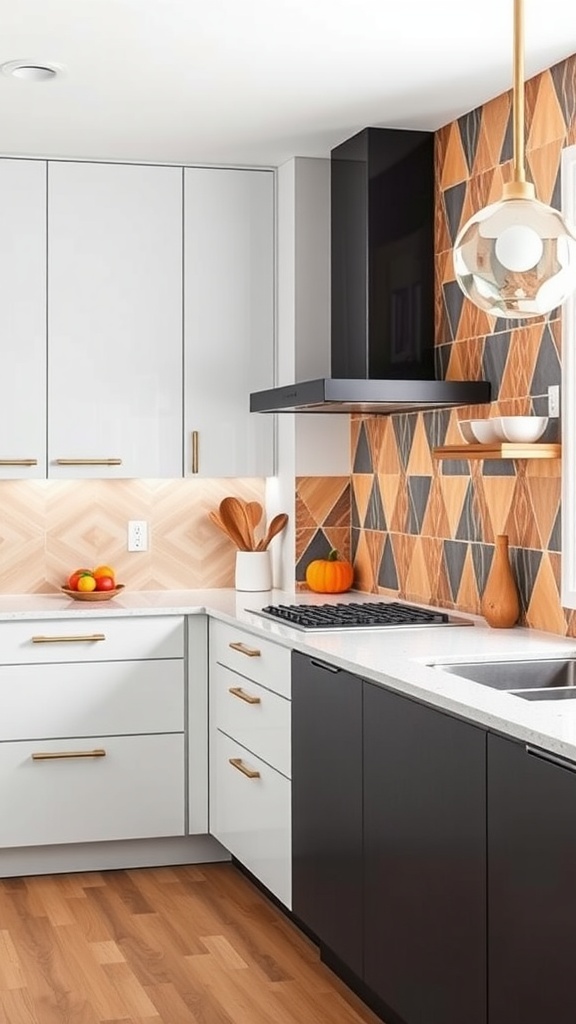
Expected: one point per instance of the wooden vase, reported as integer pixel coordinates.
(500, 604)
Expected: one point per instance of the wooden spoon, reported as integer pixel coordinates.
(233, 515)
(276, 526)
(215, 518)
(254, 515)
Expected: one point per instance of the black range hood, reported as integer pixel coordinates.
(382, 278)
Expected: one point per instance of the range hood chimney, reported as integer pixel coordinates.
(382, 277)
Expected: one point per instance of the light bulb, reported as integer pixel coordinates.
(516, 258)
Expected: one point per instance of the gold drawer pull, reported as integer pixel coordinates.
(195, 450)
(88, 462)
(55, 755)
(250, 652)
(88, 639)
(237, 691)
(18, 462)
(237, 763)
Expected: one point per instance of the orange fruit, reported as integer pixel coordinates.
(103, 570)
(86, 584)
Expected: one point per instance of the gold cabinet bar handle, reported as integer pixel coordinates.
(55, 755)
(250, 652)
(195, 440)
(88, 639)
(239, 765)
(18, 462)
(237, 691)
(88, 462)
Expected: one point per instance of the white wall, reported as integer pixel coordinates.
(308, 444)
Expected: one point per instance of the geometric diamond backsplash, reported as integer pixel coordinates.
(424, 529)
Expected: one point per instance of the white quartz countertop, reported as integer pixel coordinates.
(397, 657)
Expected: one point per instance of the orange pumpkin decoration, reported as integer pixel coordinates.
(330, 575)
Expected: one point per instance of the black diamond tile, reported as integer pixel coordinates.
(499, 467)
(454, 558)
(418, 492)
(436, 426)
(354, 513)
(496, 347)
(482, 555)
(404, 427)
(507, 151)
(453, 301)
(362, 458)
(441, 360)
(375, 518)
(555, 539)
(455, 467)
(354, 541)
(318, 547)
(453, 203)
(469, 127)
(387, 574)
(469, 527)
(525, 563)
(564, 79)
(547, 370)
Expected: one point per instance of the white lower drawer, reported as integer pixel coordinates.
(255, 717)
(135, 791)
(252, 817)
(108, 698)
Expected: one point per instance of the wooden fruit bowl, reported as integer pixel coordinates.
(93, 595)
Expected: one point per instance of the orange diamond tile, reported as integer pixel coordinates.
(544, 164)
(454, 167)
(544, 117)
(418, 586)
(544, 610)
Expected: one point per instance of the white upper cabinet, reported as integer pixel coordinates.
(23, 319)
(228, 320)
(114, 320)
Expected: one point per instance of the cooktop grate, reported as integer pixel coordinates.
(367, 615)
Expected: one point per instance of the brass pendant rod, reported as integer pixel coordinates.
(518, 92)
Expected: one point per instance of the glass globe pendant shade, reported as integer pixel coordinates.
(516, 258)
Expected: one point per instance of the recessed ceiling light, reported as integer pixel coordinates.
(31, 71)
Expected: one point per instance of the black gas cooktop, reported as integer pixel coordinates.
(365, 615)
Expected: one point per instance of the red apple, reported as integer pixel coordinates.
(105, 583)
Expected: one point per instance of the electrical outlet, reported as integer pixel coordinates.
(137, 535)
(554, 401)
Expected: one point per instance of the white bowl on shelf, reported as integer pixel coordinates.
(480, 431)
(522, 429)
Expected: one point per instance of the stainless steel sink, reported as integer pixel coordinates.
(552, 679)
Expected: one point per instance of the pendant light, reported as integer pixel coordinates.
(517, 257)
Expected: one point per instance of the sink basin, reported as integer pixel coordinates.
(532, 679)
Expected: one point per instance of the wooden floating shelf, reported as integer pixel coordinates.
(498, 450)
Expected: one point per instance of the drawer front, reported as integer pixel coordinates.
(117, 698)
(260, 660)
(135, 791)
(83, 638)
(252, 715)
(251, 817)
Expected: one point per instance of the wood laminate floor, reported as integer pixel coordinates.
(184, 945)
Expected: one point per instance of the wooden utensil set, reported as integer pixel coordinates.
(239, 520)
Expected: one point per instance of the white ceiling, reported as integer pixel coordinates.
(255, 81)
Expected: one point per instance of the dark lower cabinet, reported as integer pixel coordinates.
(531, 885)
(424, 861)
(327, 806)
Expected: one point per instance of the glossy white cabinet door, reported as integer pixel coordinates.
(23, 319)
(251, 815)
(114, 320)
(228, 319)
